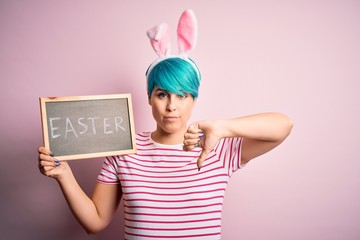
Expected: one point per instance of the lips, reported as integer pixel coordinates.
(170, 118)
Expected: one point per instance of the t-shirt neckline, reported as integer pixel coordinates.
(173, 146)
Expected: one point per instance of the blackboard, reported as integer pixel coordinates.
(82, 127)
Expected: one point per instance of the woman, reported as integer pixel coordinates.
(174, 186)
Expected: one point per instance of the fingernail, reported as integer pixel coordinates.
(56, 162)
(51, 154)
(199, 169)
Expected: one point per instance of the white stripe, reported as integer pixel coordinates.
(165, 195)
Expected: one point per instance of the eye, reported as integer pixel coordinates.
(183, 96)
(162, 95)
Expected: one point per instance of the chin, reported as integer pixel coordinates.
(171, 129)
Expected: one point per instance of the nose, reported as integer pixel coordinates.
(171, 103)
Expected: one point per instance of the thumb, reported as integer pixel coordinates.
(202, 157)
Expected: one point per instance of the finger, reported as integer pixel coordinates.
(45, 168)
(192, 128)
(202, 158)
(52, 170)
(191, 135)
(45, 158)
(43, 150)
(197, 135)
(188, 147)
(190, 144)
(195, 141)
(56, 162)
(48, 171)
(47, 163)
(192, 141)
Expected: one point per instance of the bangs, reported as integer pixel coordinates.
(174, 75)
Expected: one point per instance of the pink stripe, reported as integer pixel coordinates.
(174, 208)
(140, 139)
(173, 229)
(156, 193)
(150, 160)
(157, 161)
(174, 188)
(101, 175)
(166, 161)
(163, 155)
(147, 166)
(171, 201)
(231, 161)
(164, 152)
(221, 151)
(106, 182)
(108, 164)
(176, 194)
(109, 172)
(112, 162)
(144, 134)
(174, 222)
(239, 152)
(177, 176)
(157, 172)
(220, 145)
(177, 182)
(143, 145)
(182, 236)
(167, 150)
(171, 215)
(225, 159)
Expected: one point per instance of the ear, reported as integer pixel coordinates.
(159, 39)
(187, 32)
(149, 98)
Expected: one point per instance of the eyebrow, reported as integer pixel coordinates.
(161, 90)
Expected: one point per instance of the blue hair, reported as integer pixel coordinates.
(174, 75)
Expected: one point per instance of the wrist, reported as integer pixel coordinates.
(65, 175)
(223, 128)
(215, 127)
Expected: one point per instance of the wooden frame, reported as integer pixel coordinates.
(80, 127)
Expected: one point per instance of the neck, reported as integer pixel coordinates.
(160, 136)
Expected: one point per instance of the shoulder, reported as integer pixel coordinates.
(143, 136)
(229, 144)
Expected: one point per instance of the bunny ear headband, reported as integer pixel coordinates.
(186, 39)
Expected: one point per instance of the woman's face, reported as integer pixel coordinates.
(171, 111)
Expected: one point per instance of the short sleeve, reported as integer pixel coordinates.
(229, 152)
(108, 173)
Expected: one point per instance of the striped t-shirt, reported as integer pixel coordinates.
(165, 196)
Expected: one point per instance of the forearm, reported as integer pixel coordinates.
(80, 204)
(265, 127)
(261, 133)
(93, 213)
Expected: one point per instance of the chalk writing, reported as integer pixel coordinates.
(88, 126)
(81, 126)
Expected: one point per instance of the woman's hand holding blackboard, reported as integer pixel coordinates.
(93, 215)
(50, 166)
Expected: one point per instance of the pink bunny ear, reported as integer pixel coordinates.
(159, 39)
(187, 32)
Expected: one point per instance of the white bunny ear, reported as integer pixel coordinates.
(187, 32)
(159, 39)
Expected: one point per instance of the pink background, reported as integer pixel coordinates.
(297, 57)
